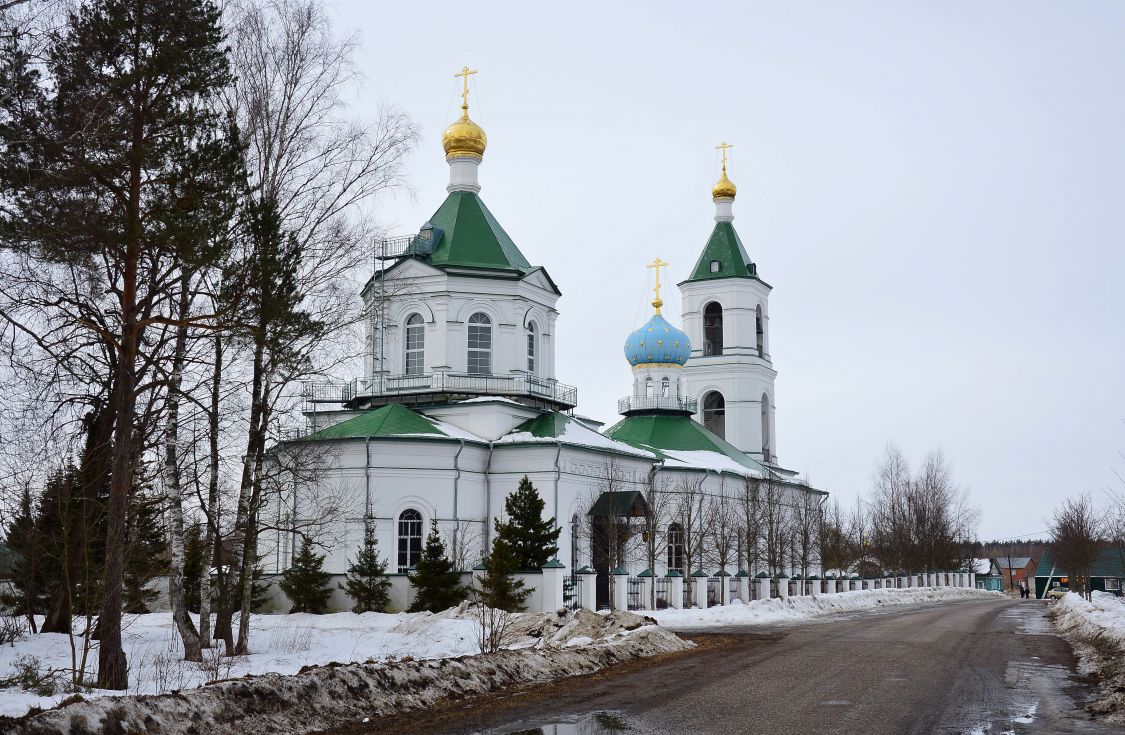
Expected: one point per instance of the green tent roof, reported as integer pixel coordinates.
(725, 247)
(677, 433)
(390, 420)
(471, 237)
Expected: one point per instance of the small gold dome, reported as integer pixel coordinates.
(464, 138)
(724, 188)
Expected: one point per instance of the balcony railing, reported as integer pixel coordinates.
(637, 404)
(447, 383)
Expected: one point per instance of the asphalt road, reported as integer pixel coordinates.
(977, 667)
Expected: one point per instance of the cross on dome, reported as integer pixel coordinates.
(464, 74)
(657, 265)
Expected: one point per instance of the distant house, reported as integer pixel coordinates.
(988, 575)
(1014, 569)
(1107, 575)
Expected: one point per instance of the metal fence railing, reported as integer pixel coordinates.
(663, 590)
(572, 593)
(634, 593)
(714, 591)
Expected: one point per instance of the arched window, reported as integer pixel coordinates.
(676, 547)
(648, 387)
(713, 329)
(531, 343)
(766, 428)
(761, 332)
(409, 539)
(480, 344)
(415, 344)
(715, 414)
(665, 386)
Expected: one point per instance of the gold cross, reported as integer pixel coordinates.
(723, 147)
(657, 265)
(464, 74)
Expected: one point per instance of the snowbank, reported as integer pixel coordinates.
(781, 610)
(1096, 630)
(331, 691)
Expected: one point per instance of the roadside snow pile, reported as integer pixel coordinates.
(329, 694)
(1096, 630)
(789, 609)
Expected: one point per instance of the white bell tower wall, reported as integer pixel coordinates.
(735, 365)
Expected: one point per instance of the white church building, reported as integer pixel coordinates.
(460, 398)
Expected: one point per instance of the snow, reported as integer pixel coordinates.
(551, 645)
(493, 399)
(280, 643)
(794, 609)
(703, 459)
(1102, 615)
(574, 433)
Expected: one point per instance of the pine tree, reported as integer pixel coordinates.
(437, 585)
(497, 587)
(533, 541)
(367, 581)
(305, 582)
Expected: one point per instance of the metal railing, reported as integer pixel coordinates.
(663, 588)
(459, 383)
(633, 404)
(633, 596)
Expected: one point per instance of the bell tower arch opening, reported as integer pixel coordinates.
(715, 414)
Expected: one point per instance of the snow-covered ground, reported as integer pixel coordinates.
(790, 609)
(1102, 615)
(280, 644)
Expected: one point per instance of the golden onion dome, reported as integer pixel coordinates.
(724, 188)
(464, 137)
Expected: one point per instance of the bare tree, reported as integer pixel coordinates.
(777, 525)
(658, 515)
(690, 514)
(750, 506)
(1077, 538)
(464, 543)
(723, 529)
(807, 517)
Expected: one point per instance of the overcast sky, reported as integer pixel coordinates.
(935, 192)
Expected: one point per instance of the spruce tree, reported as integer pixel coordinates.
(305, 582)
(437, 585)
(367, 581)
(497, 588)
(533, 541)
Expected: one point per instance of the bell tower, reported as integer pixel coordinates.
(726, 317)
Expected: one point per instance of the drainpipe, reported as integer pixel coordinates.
(558, 474)
(457, 479)
(488, 498)
(366, 480)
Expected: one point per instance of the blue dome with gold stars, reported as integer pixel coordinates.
(657, 342)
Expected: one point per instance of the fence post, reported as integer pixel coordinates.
(675, 588)
(972, 579)
(620, 589)
(588, 588)
(553, 573)
(724, 586)
(742, 587)
(815, 585)
(763, 582)
(783, 585)
(648, 585)
(798, 585)
(699, 589)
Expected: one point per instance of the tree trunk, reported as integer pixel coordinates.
(212, 510)
(252, 473)
(188, 634)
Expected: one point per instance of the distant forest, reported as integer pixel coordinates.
(1000, 549)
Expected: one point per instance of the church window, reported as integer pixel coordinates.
(676, 547)
(715, 414)
(716, 266)
(648, 387)
(409, 539)
(415, 344)
(761, 332)
(713, 329)
(664, 386)
(531, 339)
(480, 344)
(766, 428)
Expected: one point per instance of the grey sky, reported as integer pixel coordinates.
(934, 191)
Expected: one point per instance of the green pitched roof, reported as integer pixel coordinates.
(390, 420)
(547, 426)
(471, 237)
(676, 433)
(725, 247)
(1110, 563)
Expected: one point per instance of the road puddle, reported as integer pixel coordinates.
(594, 723)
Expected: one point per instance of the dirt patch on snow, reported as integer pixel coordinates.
(334, 695)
